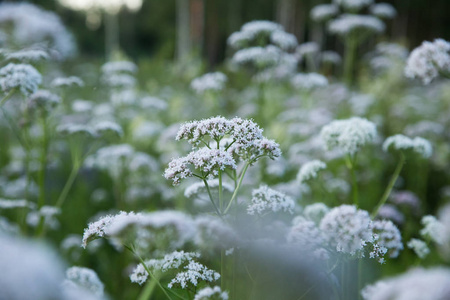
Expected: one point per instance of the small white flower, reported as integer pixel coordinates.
(323, 12)
(419, 247)
(353, 5)
(415, 284)
(383, 10)
(21, 76)
(265, 199)
(85, 278)
(209, 293)
(209, 82)
(309, 170)
(350, 24)
(401, 142)
(67, 82)
(308, 81)
(349, 135)
(118, 67)
(433, 229)
(428, 60)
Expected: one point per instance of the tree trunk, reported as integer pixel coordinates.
(183, 46)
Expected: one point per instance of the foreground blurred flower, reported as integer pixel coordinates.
(416, 284)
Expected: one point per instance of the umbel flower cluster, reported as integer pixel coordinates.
(235, 140)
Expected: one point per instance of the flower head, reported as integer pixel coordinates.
(349, 135)
(265, 199)
(21, 76)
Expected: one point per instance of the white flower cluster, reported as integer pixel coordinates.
(416, 284)
(119, 67)
(306, 49)
(170, 261)
(208, 161)
(67, 81)
(27, 55)
(259, 57)
(433, 229)
(283, 40)
(252, 32)
(246, 143)
(428, 60)
(308, 81)
(387, 237)
(47, 213)
(99, 228)
(420, 247)
(209, 82)
(309, 170)
(85, 278)
(306, 234)
(353, 5)
(315, 212)
(323, 12)
(194, 273)
(20, 76)
(265, 200)
(16, 203)
(43, 100)
(119, 74)
(209, 293)
(330, 57)
(348, 229)
(353, 24)
(401, 142)
(349, 135)
(33, 25)
(383, 10)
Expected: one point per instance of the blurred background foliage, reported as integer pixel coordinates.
(151, 32)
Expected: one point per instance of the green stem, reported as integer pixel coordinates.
(43, 163)
(350, 51)
(351, 164)
(211, 198)
(73, 174)
(390, 185)
(7, 96)
(238, 187)
(148, 290)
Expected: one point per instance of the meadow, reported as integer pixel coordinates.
(288, 172)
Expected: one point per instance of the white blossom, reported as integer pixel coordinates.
(67, 81)
(33, 25)
(85, 278)
(415, 284)
(315, 212)
(323, 12)
(209, 82)
(265, 199)
(433, 229)
(309, 170)
(194, 272)
(27, 55)
(21, 76)
(308, 81)
(401, 142)
(261, 27)
(383, 10)
(419, 247)
(388, 236)
(350, 24)
(119, 67)
(347, 228)
(258, 57)
(286, 41)
(208, 293)
(428, 60)
(348, 135)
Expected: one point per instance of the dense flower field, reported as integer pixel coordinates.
(291, 172)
